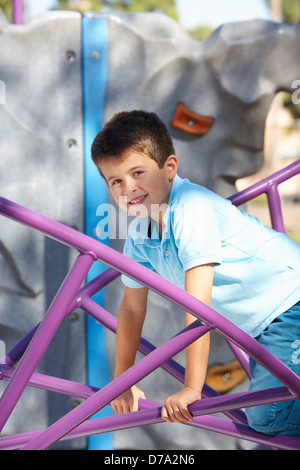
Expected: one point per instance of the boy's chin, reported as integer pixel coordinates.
(140, 211)
(140, 215)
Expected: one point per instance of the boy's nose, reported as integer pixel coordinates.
(128, 187)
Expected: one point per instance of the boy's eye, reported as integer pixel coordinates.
(137, 173)
(115, 182)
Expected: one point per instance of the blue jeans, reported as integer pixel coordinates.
(282, 338)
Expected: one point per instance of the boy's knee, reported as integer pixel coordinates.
(260, 418)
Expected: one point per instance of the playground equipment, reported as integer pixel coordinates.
(71, 295)
(78, 70)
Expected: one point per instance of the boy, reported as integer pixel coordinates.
(202, 243)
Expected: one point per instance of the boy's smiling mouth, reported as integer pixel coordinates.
(138, 200)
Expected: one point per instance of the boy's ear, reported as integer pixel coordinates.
(172, 166)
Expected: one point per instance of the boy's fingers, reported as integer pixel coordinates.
(120, 407)
(181, 415)
(168, 413)
(135, 405)
(186, 415)
(128, 401)
(165, 415)
(174, 414)
(136, 398)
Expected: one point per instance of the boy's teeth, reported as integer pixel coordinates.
(134, 201)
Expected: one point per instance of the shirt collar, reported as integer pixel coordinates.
(152, 237)
(177, 181)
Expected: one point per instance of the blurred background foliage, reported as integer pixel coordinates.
(289, 9)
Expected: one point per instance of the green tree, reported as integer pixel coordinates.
(5, 6)
(81, 5)
(201, 32)
(166, 6)
(290, 10)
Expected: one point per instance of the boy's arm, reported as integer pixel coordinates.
(198, 282)
(129, 328)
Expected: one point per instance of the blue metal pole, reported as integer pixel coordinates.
(94, 64)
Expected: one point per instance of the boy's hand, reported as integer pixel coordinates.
(128, 401)
(175, 410)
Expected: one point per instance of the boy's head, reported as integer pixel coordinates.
(138, 131)
(135, 155)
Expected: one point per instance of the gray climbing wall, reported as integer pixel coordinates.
(42, 168)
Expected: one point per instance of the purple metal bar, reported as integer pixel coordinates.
(25, 215)
(13, 356)
(274, 203)
(264, 185)
(231, 402)
(126, 380)
(242, 357)
(108, 320)
(90, 289)
(17, 12)
(269, 186)
(50, 436)
(153, 416)
(152, 280)
(212, 319)
(52, 384)
(43, 336)
(171, 366)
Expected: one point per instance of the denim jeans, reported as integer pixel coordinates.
(282, 338)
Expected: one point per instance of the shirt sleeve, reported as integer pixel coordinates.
(132, 251)
(197, 234)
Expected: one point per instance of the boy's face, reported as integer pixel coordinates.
(137, 184)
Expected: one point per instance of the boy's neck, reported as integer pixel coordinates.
(157, 214)
(159, 223)
(157, 217)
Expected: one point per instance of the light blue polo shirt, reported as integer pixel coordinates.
(257, 270)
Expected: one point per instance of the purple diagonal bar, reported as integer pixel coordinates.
(152, 280)
(52, 384)
(156, 283)
(269, 186)
(145, 347)
(13, 356)
(264, 185)
(104, 396)
(43, 336)
(179, 297)
(150, 413)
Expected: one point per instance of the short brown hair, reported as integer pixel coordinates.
(140, 131)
